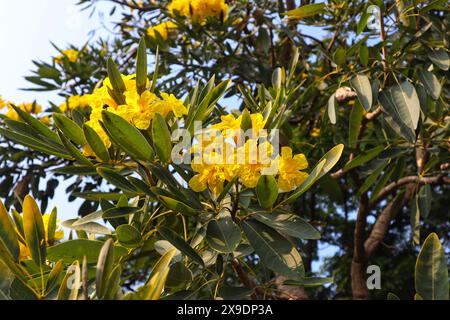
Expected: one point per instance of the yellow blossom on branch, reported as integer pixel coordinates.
(70, 54)
(163, 29)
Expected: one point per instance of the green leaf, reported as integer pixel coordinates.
(155, 284)
(431, 84)
(37, 125)
(8, 234)
(363, 158)
(161, 136)
(81, 170)
(354, 124)
(431, 274)
(113, 283)
(127, 137)
(340, 56)
(180, 244)
(34, 230)
(104, 267)
(90, 227)
(155, 73)
(72, 250)
(332, 108)
(51, 226)
(306, 11)
(267, 191)
(141, 67)
(392, 296)
(309, 282)
(70, 129)
(440, 58)
(415, 222)
(34, 144)
(116, 179)
(74, 151)
(276, 252)
(361, 25)
(223, 235)
(402, 104)
(96, 143)
(331, 158)
(118, 212)
(362, 86)
(53, 277)
(178, 206)
(179, 276)
(128, 236)
(289, 224)
(364, 55)
(424, 199)
(118, 86)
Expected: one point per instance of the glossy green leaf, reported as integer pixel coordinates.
(96, 143)
(118, 86)
(267, 191)
(8, 234)
(72, 250)
(34, 230)
(127, 137)
(178, 206)
(440, 58)
(161, 138)
(364, 157)
(306, 11)
(309, 282)
(104, 268)
(275, 251)
(53, 277)
(289, 224)
(141, 67)
(155, 284)
(79, 157)
(223, 235)
(362, 86)
(354, 124)
(179, 276)
(128, 236)
(89, 227)
(431, 83)
(431, 273)
(116, 179)
(70, 129)
(332, 109)
(180, 244)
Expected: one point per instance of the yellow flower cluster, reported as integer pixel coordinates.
(28, 107)
(70, 54)
(74, 102)
(2, 103)
(217, 161)
(163, 29)
(139, 109)
(199, 10)
(59, 234)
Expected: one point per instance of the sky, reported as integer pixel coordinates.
(26, 29)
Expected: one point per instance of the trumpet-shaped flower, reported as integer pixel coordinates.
(163, 29)
(289, 167)
(70, 54)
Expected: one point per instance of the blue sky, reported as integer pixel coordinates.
(26, 29)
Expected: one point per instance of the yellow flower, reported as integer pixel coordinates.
(289, 168)
(252, 159)
(70, 54)
(75, 102)
(199, 10)
(230, 126)
(169, 103)
(180, 7)
(59, 234)
(3, 103)
(138, 110)
(29, 107)
(163, 29)
(210, 174)
(315, 132)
